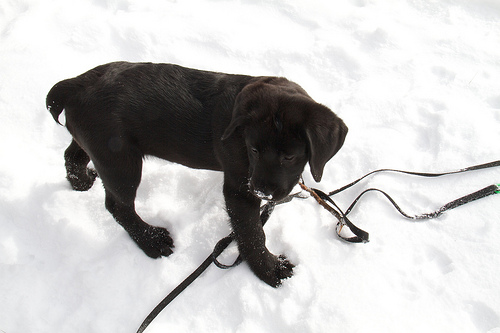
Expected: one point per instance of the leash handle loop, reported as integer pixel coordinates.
(361, 236)
(489, 190)
(219, 248)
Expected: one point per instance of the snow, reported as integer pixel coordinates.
(417, 83)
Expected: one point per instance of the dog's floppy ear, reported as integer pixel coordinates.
(325, 134)
(254, 93)
(240, 111)
(236, 121)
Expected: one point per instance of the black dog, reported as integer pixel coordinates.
(260, 131)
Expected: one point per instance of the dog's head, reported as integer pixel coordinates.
(283, 129)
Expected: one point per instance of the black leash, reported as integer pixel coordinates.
(360, 236)
(421, 174)
(221, 245)
(489, 190)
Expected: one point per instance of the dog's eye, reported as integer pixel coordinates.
(289, 157)
(254, 150)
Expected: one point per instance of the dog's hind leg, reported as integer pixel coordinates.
(121, 178)
(78, 174)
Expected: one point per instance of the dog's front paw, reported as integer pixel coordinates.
(285, 269)
(155, 242)
(271, 269)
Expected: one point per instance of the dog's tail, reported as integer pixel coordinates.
(59, 95)
(62, 92)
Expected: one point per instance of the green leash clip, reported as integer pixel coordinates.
(498, 189)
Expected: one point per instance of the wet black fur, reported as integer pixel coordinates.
(260, 131)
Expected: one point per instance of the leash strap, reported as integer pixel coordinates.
(221, 245)
(322, 198)
(360, 236)
(422, 174)
(489, 190)
(265, 214)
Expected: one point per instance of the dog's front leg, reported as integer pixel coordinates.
(243, 209)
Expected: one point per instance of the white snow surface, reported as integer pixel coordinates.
(417, 83)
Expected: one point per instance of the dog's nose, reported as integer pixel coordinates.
(262, 195)
(262, 192)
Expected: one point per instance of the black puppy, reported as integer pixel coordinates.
(260, 131)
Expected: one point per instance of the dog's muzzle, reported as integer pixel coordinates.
(262, 195)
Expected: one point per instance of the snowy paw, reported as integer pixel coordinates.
(155, 242)
(272, 269)
(284, 269)
(82, 182)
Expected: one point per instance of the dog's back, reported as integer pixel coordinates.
(152, 105)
